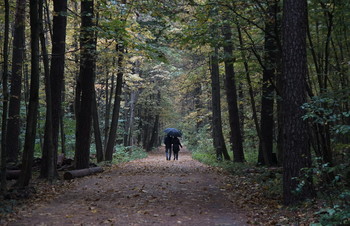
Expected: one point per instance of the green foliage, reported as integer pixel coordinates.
(126, 154)
(332, 183)
(328, 109)
(338, 214)
(270, 180)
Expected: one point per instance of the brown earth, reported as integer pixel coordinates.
(150, 191)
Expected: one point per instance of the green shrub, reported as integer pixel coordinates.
(126, 154)
(338, 214)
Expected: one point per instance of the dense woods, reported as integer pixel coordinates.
(257, 82)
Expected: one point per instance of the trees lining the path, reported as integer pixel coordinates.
(210, 68)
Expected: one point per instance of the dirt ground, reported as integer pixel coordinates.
(151, 191)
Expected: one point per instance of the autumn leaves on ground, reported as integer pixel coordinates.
(153, 191)
(149, 191)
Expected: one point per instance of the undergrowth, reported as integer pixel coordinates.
(127, 154)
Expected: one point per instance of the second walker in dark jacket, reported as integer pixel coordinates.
(176, 147)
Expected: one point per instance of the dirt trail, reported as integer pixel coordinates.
(149, 191)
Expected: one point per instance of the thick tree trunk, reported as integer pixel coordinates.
(218, 137)
(86, 76)
(57, 75)
(30, 135)
(231, 97)
(3, 151)
(13, 126)
(116, 108)
(295, 131)
(48, 164)
(267, 98)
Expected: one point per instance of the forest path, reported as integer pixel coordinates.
(150, 191)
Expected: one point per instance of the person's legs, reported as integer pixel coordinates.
(167, 151)
(176, 154)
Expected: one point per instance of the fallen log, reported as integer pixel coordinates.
(12, 174)
(69, 175)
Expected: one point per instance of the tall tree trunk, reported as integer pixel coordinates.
(241, 108)
(126, 113)
(86, 77)
(250, 86)
(133, 99)
(295, 131)
(48, 166)
(28, 153)
(97, 132)
(116, 108)
(267, 98)
(5, 100)
(218, 137)
(155, 129)
(198, 105)
(57, 69)
(231, 96)
(109, 98)
(13, 126)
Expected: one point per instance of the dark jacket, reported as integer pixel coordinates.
(176, 144)
(168, 141)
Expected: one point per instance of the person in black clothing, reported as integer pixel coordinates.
(176, 147)
(168, 143)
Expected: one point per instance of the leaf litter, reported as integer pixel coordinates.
(153, 191)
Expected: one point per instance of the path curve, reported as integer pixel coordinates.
(150, 191)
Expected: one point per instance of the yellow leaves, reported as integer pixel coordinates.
(93, 209)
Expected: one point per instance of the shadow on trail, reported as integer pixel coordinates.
(151, 191)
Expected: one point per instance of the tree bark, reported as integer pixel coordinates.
(86, 77)
(3, 186)
(97, 132)
(48, 164)
(218, 137)
(57, 70)
(267, 98)
(116, 108)
(133, 100)
(28, 153)
(109, 98)
(155, 129)
(13, 126)
(231, 96)
(295, 131)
